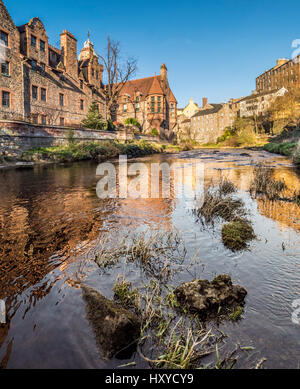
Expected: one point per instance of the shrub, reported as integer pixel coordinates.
(71, 137)
(93, 119)
(154, 132)
(133, 122)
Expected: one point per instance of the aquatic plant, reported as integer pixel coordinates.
(237, 234)
(264, 183)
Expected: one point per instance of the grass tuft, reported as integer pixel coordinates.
(237, 234)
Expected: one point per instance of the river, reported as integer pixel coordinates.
(52, 222)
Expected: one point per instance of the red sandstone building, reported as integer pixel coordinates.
(51, 86)
(149, 100)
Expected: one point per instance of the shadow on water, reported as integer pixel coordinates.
(51, 221)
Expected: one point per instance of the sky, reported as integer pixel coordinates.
(212, 49)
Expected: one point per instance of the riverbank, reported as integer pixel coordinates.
(99, 151)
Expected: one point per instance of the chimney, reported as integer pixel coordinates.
(68, 44)
(164, 72)
(204, 102)
(281, 61)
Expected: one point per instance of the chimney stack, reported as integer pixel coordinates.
(68, 44)
(204, 102)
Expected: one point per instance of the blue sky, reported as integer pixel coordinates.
(211, 48)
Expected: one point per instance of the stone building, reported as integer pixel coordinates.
(41, 83)
(209, 123)
(286, 73)
(151, 101)
(258, 102)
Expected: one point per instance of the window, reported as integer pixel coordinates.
(33, 65)
(125, 107)
(34, 92)
(33, 41)
(5, 99)
(61, 99)
(81, 84)
(159, 104)
(81, 105)
(5, 68)
(44, 119)
(42, 46)
(4, 38)
(97, 74)
(43, 67)
(43, 94)
(34, 118)
(137, 107)
(125, 100)
(62, 121)
(152, 104)
(93, 72)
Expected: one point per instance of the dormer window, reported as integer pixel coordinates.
(33, 41)
(4, 38)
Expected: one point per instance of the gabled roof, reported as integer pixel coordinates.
(215, 108)
(155, 87)
(172, 97)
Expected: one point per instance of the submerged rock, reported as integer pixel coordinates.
(115, 328)
(205, 298)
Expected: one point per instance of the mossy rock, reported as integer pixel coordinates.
(237, 234)
(206, 298)
(115, 328)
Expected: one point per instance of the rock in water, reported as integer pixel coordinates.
(204, 297)
(114, 327)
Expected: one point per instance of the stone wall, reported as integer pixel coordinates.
(17, 137)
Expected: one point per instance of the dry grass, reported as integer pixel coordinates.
(157, 253)
(265, 184)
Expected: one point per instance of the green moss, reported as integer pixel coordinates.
(236, 313)
(237, 234)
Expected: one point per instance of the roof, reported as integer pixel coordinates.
(172, 97)
(55, 49)
(142, 85)
(186, 120)
(155, 87)
(215, 108)
(255, 95)
(84, 63)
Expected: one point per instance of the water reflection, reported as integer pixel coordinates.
(50, 216)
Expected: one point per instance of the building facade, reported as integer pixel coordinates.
(285, 74)
(41, 83)
(151, 101)
(258, 103)
(46, 85)
(209, 123)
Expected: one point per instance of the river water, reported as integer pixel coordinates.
(52, 221)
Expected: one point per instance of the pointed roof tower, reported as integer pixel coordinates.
(155, 88)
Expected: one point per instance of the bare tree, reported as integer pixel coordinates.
(118, 72)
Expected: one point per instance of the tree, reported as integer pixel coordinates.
(286, 109)
(93, 119)
(118, 72)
